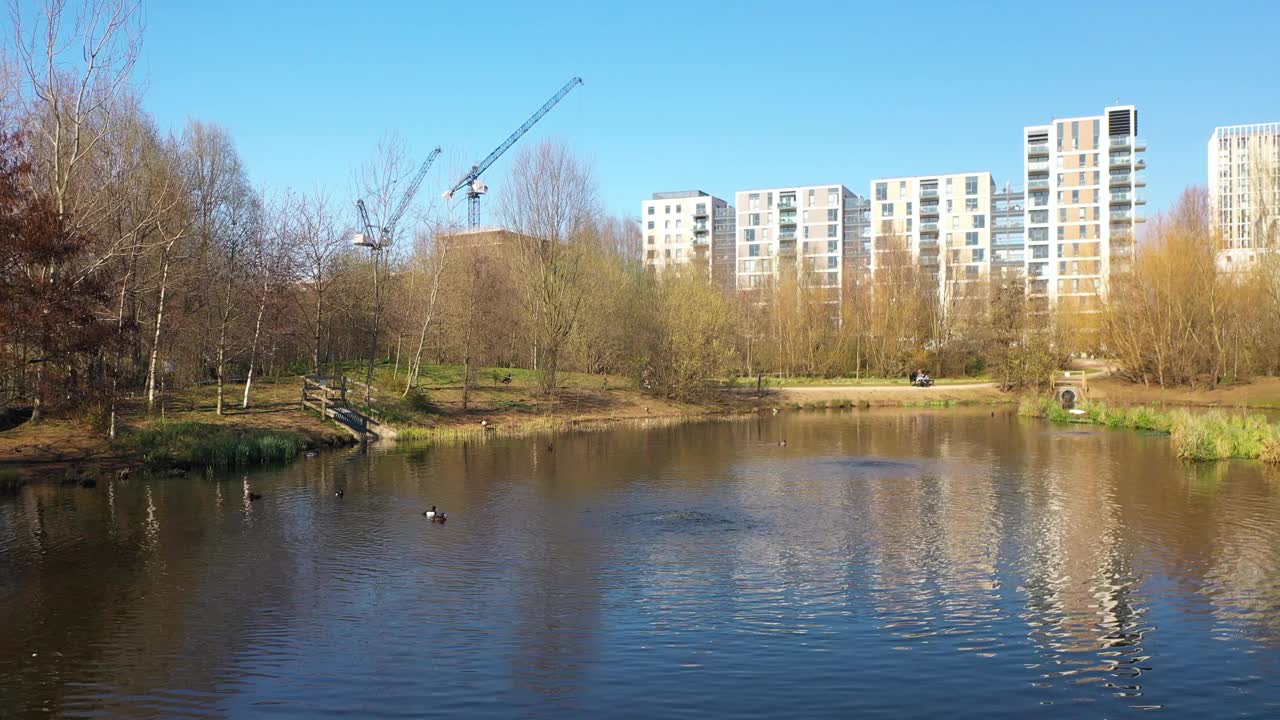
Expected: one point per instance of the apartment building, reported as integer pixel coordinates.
(943, 220)
(1244, 192)
(1083, 178)
(799, 228)
(1008, 233)
(678, 228)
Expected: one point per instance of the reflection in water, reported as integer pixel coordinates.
(878, 563)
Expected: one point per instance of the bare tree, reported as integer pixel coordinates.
(550, 203)
(270, 267)
(319, 245)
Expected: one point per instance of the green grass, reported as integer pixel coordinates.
(10, 482)
(210, 445)
(1196, 437)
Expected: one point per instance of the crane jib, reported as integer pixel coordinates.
(498, 151)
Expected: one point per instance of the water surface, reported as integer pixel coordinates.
(880, 564)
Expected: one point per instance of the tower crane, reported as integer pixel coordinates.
(367, 236)
(471, 181)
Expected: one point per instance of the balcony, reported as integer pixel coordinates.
(1121, 159)
(1121, 179)
(1038, 217)
(700, 213)
(700, 229)
(1040, 149)
(929, 227)
(787, 220)
(1122, 215)
(786, 204)
(1037, 184)
(928, 209)
(1139, 180)
(786, 235)
(928, 192)
(1122, 198)
(1140, 164)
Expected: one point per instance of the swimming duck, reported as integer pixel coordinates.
(254, 496)
(430, 514)
(338, 493)
(782, 443)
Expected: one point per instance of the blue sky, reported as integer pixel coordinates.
(705, 95)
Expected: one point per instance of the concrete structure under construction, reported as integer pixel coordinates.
(678, 226)
(1082, 176)
(1244, 192)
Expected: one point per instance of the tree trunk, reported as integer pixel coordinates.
(155, 342)
(253, 346)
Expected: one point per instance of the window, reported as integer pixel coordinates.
(666, 224)
(831, 231)
(1075, 197)
(971, 185)
(979, 255)
(753, 201)
(667, 253)
(812, 193)
(948, 207)
(701, 209)
(806, 231)
(677, 209)
(979, 221)
(909, 206)
(833, 246)
(832, 215)
(650, 209)
(769, 201)
(833, 197)
(650, 239)
(833, 263)
(955, 223)
(753, 219)
(1039, 252)
(882, 191)
(971, 204)
(677, 223)
(753, 250)
(749, 235)
(886, 210)
(971, 238)
(764, 234)
(666, 239)
(949, 187)
(667, 209)
(650, 222)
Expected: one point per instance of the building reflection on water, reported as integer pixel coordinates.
(1045, 550)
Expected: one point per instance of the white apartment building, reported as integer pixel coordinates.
(799, 227)
(1244, 192)
(677, 228)
(944, 220)
(1082, 178)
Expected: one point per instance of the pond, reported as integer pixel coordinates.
(879, 564)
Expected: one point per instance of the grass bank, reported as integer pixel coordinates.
(199, 444)
(1196, 436)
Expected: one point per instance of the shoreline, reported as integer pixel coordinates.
(67, 451)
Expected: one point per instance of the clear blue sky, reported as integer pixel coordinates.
(698, 95)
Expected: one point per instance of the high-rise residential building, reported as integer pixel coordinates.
(800, 228)
(1083, 177)
(1244, 192)
(944, 220)
(678, 226)
(1008, 233)
(724, 246)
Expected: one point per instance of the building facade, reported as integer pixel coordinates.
(1244, 192)
(678, 228)
(945, 221)
(1083, 178)
(793, 228)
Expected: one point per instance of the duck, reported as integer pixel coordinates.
(430, 514)
(338, 493)
(550, 448)
(254, 496)
(782, 443)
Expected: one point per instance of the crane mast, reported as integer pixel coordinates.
(471, 181)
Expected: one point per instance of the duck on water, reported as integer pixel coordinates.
(435, 515)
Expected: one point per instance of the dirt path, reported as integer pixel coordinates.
(895, 394)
